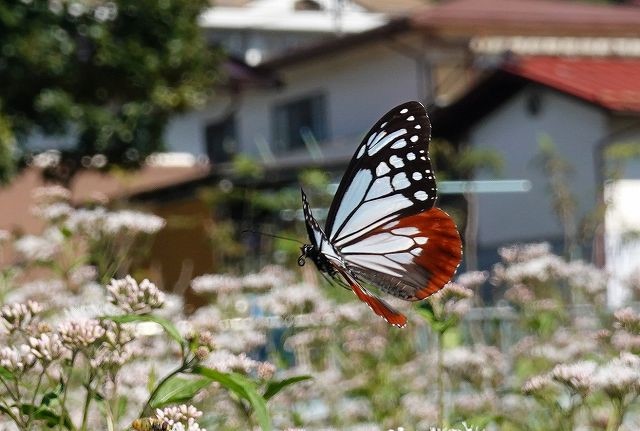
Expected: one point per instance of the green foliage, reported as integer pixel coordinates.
(452, 162)
(178, 390)
(274, 387)
(243, 388)
(105, 74)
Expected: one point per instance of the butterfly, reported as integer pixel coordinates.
(382, 229)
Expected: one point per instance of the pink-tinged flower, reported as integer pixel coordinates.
(537, 384)
(5, 236)
(79, 334)
(135, 298)
(619, 377)
(216, 284)
(132, 222)
(19, 316)
(472, 279)
(47, 347)
(51, 194)
(175, 414)
(524, 252)
(17, 359)
(40, 248)
(577, 376)
(627, 319)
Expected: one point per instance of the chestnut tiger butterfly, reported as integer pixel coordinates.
(382, 228)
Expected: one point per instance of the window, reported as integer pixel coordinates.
(220, 138)
(298, 121)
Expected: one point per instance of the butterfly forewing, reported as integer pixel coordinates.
(389, 176)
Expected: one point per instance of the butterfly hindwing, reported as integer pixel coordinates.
(411, 257)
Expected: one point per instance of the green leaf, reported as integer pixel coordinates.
(49, 397)
(49, 417)
(244, 388)
(177, 389)
(166, 324)
(6, 374)
(274, 387)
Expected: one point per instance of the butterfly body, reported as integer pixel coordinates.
(382, 229)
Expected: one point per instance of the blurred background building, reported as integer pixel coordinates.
(304, 80)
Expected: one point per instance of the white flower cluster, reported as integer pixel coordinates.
(180, 418)
(226, 361)
(616, 378)
(51, 194)
(627, 319)
(299, 298)
(47, 347)
(577, 376)
(98, 222)
(132, 221)
(268, 278)
(135, 298)
(17, 359)
(78, 334)
(20, 315)
(5, 236)
(40, 248)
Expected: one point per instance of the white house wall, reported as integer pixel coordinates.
(574, 127)
(359, 86)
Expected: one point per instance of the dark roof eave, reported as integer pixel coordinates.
(342, 43)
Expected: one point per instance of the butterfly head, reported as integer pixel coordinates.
(307, 250)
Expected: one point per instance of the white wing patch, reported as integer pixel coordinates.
(382, 140)
(353, 195)
(380, 243)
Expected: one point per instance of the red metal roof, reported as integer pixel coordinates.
(533, 17)
(613, 83)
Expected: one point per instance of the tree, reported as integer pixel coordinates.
(103, 74)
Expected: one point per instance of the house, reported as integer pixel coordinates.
(589, 109)
(330, 92)
(337, 86)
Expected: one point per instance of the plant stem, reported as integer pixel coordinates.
(33, 399)
(617, 414)
(440, 379)
(87, 402)
(147, 407)
(63, 405)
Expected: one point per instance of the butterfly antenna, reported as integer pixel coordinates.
(272, 236)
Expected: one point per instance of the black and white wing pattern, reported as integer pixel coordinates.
(382, 223)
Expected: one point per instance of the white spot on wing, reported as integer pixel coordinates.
(421, 240)
(399, 144)
(414, 138)
(406, 230)
(400, 181)
(380, 243)
(382, 169)
(421, 195)
(396, 161)
(361, 151)
(369, 213)
(380, 187)
(417, 176)
(404, 111)
(411, 156)
(383, 140)
(411, 118)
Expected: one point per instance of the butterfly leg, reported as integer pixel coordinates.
(378, 306)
